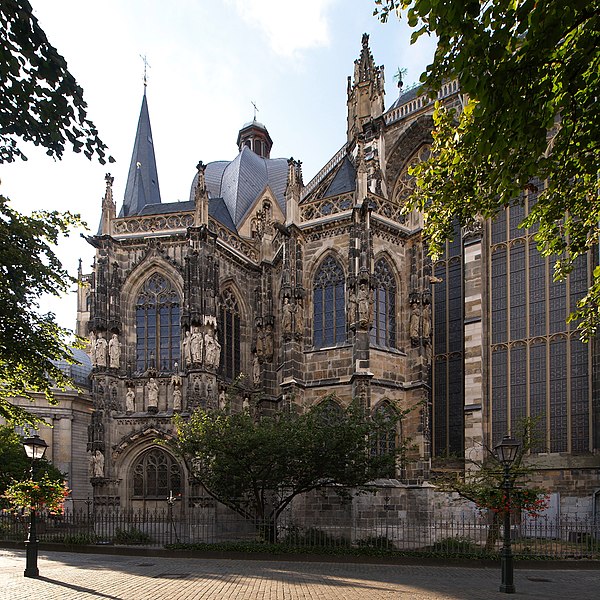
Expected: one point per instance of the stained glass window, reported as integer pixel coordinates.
(329, 312)
(230, 335)
(383, 332)
(386, 439)
(156, 475)
(157, 315)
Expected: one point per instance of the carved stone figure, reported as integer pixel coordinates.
(269, 342)
(152, 391)
(352, 305)
(426, 321)
(114, 351)
(101, 351)
(222, 399)
(364, 304)
(260, 342)
(299, 325)
(196, 346)
(256, 370)
(246, 404)
(286, 316)
(211, 350)
(177, 395)
(186, 349)
(415, 318)
(217, 353)
(97, 464)
(93, 348)
(130, 401)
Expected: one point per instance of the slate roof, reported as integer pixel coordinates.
(142, 182)
(241, 181)
(407, 96)
(344, 180)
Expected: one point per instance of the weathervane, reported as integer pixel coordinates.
(146, 65)
(255, 108)
(399, 77)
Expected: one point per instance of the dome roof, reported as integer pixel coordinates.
(79, 373)
(241, 181)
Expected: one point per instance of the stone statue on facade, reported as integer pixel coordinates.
(196, 345)
(352, 305)
(211, 349)
(256, 370)
(286, 316)
(93, 348)
(426, 322)
(177, 382)
(186, 349)
(152, 391)
(364, 304)
(101, 351)
(97, 464)
(299, 312)
(130, 401)
(414, 323)
(269, 342)
(114, 351)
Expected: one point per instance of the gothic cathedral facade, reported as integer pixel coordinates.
(261, 291)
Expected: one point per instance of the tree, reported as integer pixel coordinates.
(40, 102)
(482, 482)
(30, 341)
(16, 466)
(530, 72)
(257, 467)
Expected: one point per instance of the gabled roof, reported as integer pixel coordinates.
(343, 181)
(142, 182)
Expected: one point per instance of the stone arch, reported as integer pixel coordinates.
(233, 318)
(416, 134)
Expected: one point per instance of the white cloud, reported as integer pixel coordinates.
(290, 27)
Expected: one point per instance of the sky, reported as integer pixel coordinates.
(209, 60)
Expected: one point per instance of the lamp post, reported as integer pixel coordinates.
(507, 451)
(35, 448)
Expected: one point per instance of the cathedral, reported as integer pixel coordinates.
(262, 292)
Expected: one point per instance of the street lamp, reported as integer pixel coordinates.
(35, 448)
(507, 451)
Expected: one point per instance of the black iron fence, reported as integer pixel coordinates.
(474, 536)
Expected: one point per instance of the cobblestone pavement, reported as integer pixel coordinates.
(66, 576)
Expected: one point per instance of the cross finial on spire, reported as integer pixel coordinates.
(146, 65)
(255, 109)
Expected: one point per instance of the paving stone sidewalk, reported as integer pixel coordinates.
(65, 576)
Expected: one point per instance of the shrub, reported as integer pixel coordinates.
(132, 536)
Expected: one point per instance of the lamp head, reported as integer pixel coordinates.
(507, 450)
(35, 447)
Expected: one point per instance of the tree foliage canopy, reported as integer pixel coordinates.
(30, 341)
(257, 466)
(530, 73)
(40, 101)
(16, 465)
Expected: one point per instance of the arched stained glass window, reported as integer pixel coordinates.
(383, 332)
(229, 336)
(156, 474)
(386, 439)
(157, 315)
(329, 317)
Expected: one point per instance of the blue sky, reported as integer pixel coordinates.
(208, 61)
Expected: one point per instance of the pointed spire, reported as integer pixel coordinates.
(366, 92)
(142, 182)
(201, 197)
(108, 207)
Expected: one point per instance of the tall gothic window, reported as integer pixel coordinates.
(156, 474)
(229, 323)
(157, 316)
(383, 332)
(329, 317)
(386, 439)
